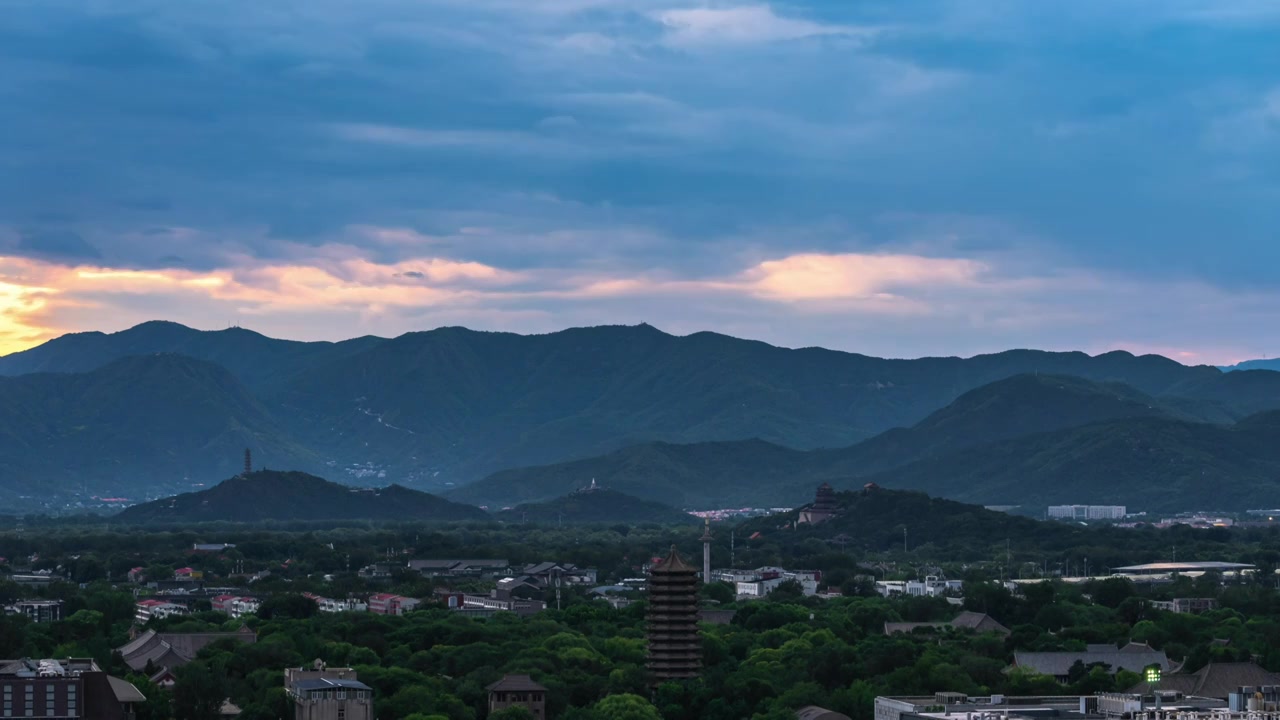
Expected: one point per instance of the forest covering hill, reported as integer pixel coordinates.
(1029, 440)
(596, 506)
(882, 519)
(440, 409)
(274, 495)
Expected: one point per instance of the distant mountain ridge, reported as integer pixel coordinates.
(1151, 463)
(439, 409)
(1030, 440)
(715, 474)
(1262, 364)
(281, 496)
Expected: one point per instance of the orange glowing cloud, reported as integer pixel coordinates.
(36, 296)
(853, 276)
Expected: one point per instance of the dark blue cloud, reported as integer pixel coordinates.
(1110, 135)
(56, 245)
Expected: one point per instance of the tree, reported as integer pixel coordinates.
(199, 693)
(626, 707)
(721, 592)
(287, 606)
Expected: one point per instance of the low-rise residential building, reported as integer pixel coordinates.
(764, 580)
(518, 690)
(377, 571)
(36, 578)
(37, 611)
(931, 586)
(144, 610)
(235, 605)
(457, 567)
(70, 689)
(758, 588)
(1087, 512)
(490, 603)
(212, 547)
(1186, 605)
(975, 621)
(1102, 706)
(334, 605)
(547, 573)
(388, 604)
(321, 693)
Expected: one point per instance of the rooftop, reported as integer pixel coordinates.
(1135, 657)
(1164, 567)
(515, 683)
(673, 564)
(329, 683)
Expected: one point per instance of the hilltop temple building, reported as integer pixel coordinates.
(675, 650)
(824, 507)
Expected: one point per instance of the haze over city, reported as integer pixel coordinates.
(897, 179)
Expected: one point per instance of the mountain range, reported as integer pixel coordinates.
(1027, 440)
(1265, 364)
(160, 408)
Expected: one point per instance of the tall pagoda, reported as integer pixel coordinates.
(675, 650)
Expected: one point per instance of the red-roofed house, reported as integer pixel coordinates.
(387, 604)
(144, 610)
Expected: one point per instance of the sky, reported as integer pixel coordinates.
(893, 177)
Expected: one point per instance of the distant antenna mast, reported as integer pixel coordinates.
(248, 462)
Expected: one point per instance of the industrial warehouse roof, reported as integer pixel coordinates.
(1165, 567)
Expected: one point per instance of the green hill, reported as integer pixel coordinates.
(875, 521)
(145, 422)
(1157, 464)
(275, 495)
(755, 472)
(600, 505)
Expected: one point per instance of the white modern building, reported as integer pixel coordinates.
(1087, 512)
(931, 586)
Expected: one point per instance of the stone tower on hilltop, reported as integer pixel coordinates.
(675, 650)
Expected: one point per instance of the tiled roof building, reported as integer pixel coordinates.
(171, 650)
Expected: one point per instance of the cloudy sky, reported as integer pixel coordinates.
(895, 178)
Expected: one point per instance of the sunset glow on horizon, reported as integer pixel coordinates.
(891, 179)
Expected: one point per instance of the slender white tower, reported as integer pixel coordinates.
(706, 550)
